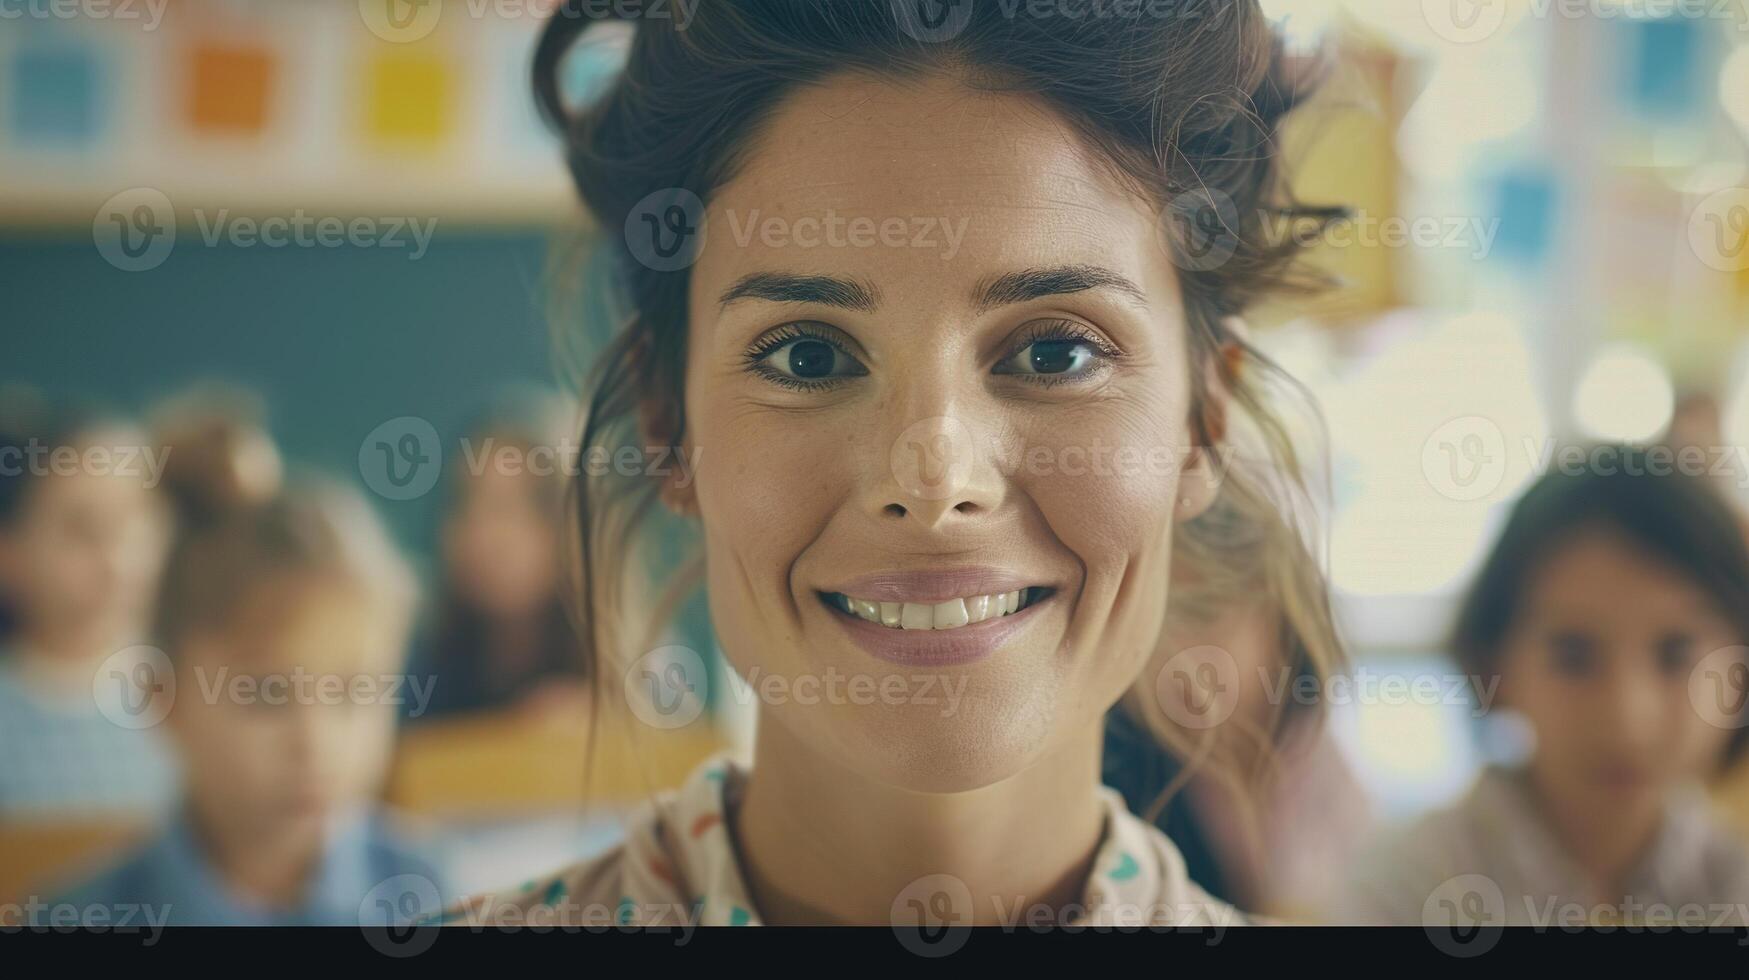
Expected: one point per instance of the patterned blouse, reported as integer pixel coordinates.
(677, 867)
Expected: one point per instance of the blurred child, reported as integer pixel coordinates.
(286, 618)
(1613, 612)
(501, 636)
(82, 537)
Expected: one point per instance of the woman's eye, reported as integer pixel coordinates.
(807, 359)
(1065, 357)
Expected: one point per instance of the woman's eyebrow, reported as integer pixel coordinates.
(779, 287)
(1036, 283)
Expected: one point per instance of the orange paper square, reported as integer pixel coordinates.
(229, 88)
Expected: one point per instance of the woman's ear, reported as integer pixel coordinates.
(1205, 464)
(661, 425)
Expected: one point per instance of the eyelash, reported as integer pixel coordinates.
(1054, 330)
(1044, 330)
(801, 329)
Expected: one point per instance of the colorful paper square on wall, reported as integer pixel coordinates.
(230, 88)
(410, 98)
(56, 95)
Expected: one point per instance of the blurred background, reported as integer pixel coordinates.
(350, 221)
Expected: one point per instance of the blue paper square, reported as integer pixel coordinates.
(55, 95)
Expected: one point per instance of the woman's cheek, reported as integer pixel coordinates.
(767, 486)
(1109, 495)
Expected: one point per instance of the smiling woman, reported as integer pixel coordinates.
(919, 464)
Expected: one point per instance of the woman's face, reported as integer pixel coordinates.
(1600, 664)
(936, 354)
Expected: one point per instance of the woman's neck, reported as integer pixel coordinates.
(821, 844)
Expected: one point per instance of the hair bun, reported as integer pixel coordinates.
(219, 458)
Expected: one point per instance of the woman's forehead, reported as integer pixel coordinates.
(884, 153)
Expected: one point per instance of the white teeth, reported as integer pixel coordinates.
(948, 615)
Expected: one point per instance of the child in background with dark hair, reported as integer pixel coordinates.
(502, 637)
(1613, 612)
(82, 537)
(285, 613)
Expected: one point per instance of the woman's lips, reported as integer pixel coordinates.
(937, 647)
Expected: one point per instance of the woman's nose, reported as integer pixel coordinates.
(939, 469)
